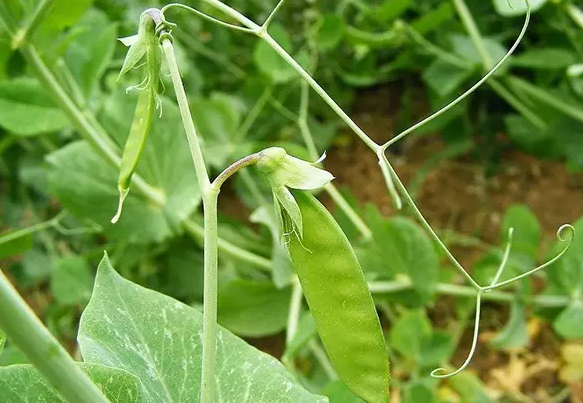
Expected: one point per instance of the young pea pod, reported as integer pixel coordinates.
(340, 301)
(145, 43)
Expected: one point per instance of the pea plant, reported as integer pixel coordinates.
(139, 345)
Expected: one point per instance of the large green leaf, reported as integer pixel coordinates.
(569, 322)
(65, 13)
(23, 384)
(269, 62)
(254, 309)
(26, 110)
(158, 339)
(515, 333)
(87, 186)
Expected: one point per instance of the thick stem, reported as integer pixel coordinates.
(28, 333)
(209, 327)
(191, 136)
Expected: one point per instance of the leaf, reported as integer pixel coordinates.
(71, 280)
(404, 248)
(87, 186)
(391, 9)
(100, 55)
(444, 78)
(434, 18)
(158, 339)
(253, 309)
(568, 323)
(408, 334)
(330, 32)
(525, 134)
(269, 62)
(217, 120)
(567, 273)
(465, 48)
(437, 349)
(65, 13)
(515, 333)
(526, 234)
(12, 243)
(182, 276)
(26, 110)
(282, 272)
(23, 383)
(36, 266)
(518, 7)
(338, 392)
(417, 392)
(545, 59)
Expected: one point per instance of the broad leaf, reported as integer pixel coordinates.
(269, 62)
(87, 186)
(569, 322)
(408, 335)
(527, 231)
(65, 13)
(26, 110)
(71, 280)
(330, 32)
(253, 309)
(11, 243)
(158, 339)
(444, 78)
(515, 334)
(338, 392)
(24, 384)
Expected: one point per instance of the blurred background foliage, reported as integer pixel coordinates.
(510, 155)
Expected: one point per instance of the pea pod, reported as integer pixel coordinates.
(340, 301)
(145, 43)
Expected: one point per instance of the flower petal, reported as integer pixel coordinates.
(299, 174)
(290, 208)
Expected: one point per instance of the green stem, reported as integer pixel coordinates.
(517, 104)
(295, 308)
(26, 32)
(28, 333)
(546, 301)
(473, 31)
(183, 106)
(336, 196)
(196, 231)
(547, 98)
(575, 13)
(11, 236)
(210, 298)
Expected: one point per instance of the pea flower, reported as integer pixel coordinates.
(284, 172)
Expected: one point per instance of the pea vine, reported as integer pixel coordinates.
(296, 210)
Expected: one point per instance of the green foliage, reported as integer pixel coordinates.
(71, 280)
(22, 383)
(145, 333)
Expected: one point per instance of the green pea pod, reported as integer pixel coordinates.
(135, 144)
(340, 301)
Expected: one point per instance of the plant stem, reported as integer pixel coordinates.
(26, 32)
(473, 31)
(546, 98)
(191, 136)
(210, 299)
(197, 231)
(518, 105)
(91, 134)
(28, 333)
(575, 13)
(336, 196)
(295, 308)
(547, 301)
